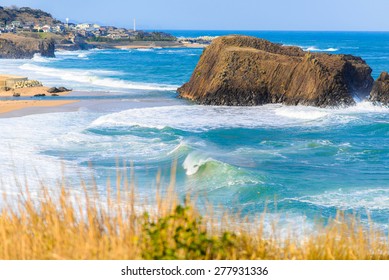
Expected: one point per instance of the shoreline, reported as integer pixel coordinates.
(30, 92)
(146, 45)
(9, 106)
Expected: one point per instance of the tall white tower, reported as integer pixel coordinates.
(134, 25)
(67, 22)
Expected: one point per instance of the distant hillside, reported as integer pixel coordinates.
(24, 15)
(14, 46)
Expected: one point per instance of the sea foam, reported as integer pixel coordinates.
(94, 77)
(315, 49)
(368, 199)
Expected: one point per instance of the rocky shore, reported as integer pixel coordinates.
(380, 92)
(247, 71)
(14, 98)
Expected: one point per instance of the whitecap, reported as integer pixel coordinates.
(315, 49)
(144, 50)
(369, 199)
(95, 77)
(194, 161)
(39, 58)
(303, 113)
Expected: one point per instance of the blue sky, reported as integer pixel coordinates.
(222, 14)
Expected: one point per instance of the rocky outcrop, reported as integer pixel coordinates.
(380, 92)
(58, 90)
(245, 71)
(13, 46)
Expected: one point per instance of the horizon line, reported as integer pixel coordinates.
(268, 30)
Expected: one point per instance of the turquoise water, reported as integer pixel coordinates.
(310, 161)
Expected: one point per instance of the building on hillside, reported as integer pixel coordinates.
(28, 26)
(16, 24)
(59, 28)
(83, 26)
(46, 28)
(37, 27)
(103, 31)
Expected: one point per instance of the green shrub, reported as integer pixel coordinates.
(183, 236)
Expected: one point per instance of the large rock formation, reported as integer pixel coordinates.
(244, 71)
(380, 92)
(13, 46)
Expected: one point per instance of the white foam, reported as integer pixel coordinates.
(201, 118)
(364, 107)
(22, 142)
(303, 113)
(369, 199)
(315, 49)
(194, 161)
(73, 53)
(145, 50)
(39, 58)
(94, 77)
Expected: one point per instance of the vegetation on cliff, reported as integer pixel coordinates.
(25, 14)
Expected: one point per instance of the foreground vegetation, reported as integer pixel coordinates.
(65, 225)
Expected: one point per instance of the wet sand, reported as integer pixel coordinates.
(7, 106)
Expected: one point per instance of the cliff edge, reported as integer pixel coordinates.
(380, 92)
(14, 46)
(247, 71)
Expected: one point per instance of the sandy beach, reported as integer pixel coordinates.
(7, 106)
(29, 92)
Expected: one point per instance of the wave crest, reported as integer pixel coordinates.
(194, 161)
(94, 77)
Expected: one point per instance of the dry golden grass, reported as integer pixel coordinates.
(70, 226)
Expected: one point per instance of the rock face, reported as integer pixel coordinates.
(246, 71)
(380, 92)
(13, 46)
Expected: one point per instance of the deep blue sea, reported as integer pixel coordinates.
(301, 163)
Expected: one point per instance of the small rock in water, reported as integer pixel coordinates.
(16, 94)
(54, 94)
(40, 95)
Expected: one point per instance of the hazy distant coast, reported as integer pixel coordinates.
(25, 32)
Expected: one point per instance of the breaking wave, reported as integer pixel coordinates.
(98, 78)
(315, 49)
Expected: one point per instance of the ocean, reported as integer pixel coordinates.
(301, 164)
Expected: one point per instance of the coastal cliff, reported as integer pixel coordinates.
(13, 46)
(380, 92)
(247, 71)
